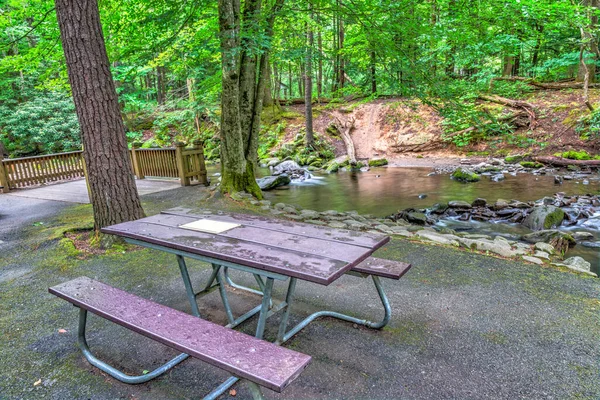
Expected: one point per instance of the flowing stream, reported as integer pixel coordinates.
(384, 191)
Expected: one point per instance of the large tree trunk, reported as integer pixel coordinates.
(243, 86)
(112, 188)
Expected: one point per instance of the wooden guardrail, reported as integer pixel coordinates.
(18, 173)
(187, 164)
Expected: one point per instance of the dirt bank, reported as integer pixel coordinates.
(402, 128)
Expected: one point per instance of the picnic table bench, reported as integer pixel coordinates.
(259, 362)
(271, 250)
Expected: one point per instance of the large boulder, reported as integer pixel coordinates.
(286, 167)
(465, 175)
(271, 182)
(292, 169)
(577, 264)
(544, 217)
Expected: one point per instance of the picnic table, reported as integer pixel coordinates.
(271, 250)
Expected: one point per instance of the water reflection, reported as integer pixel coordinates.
(384, 191)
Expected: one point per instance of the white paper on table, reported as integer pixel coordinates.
(209, 226)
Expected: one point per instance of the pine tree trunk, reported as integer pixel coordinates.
(113, 192)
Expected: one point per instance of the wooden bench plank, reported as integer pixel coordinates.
(264, 363)
(282, 240)
(363, 239)
(309, 267)
(383, 268)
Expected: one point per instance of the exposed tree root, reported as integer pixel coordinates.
(344, 128)
(518, 104)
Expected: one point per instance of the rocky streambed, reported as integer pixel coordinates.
(541, 249)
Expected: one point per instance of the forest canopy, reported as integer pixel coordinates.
(166, 59)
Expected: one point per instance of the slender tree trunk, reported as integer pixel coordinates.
(589, 43)
(373, 72)
(113, 192)
(320, 71)
(342, 67)
(308, 86)
(290, 81)
(160, 86)
(268, 99)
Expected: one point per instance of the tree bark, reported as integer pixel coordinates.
(113, 192)
(308, 85)
(373, 72)
(243, 85)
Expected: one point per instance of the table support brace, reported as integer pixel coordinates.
(112, 371)
(283, 337)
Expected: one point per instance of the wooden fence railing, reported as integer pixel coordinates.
(29, 171)
(187, 164)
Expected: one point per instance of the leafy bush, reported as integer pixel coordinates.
(45, 124)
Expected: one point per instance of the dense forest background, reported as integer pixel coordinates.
(165, 59)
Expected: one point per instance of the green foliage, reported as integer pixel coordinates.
(577, 155)
(270, 137)
(45, 124)
(459, 117)
(588, 126)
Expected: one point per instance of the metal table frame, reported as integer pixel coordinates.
(266, 309)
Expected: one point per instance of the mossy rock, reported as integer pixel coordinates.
(490, 169)
(513, 159)
(378, 162)
(333, 167)
(531, 164)
(464, 175)
(544, 217)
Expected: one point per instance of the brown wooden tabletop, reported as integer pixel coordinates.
(304, 251)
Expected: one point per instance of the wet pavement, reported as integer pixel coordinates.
(463, 325)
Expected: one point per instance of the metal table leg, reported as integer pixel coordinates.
(283, 335)
(188, 285)
(112, 371)
(260, 330)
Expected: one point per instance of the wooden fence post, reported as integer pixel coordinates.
(3, 177)
(137, 169)
(202, 177)
(181, 164)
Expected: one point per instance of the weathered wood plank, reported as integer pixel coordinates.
(282, 240)
(335, 235)
(385, 268)
(309, 267)
(259, 361)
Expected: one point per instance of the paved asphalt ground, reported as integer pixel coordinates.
(464, 326)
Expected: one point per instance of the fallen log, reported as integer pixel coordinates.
(563, 162)
(522, 105)
(544, 85)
